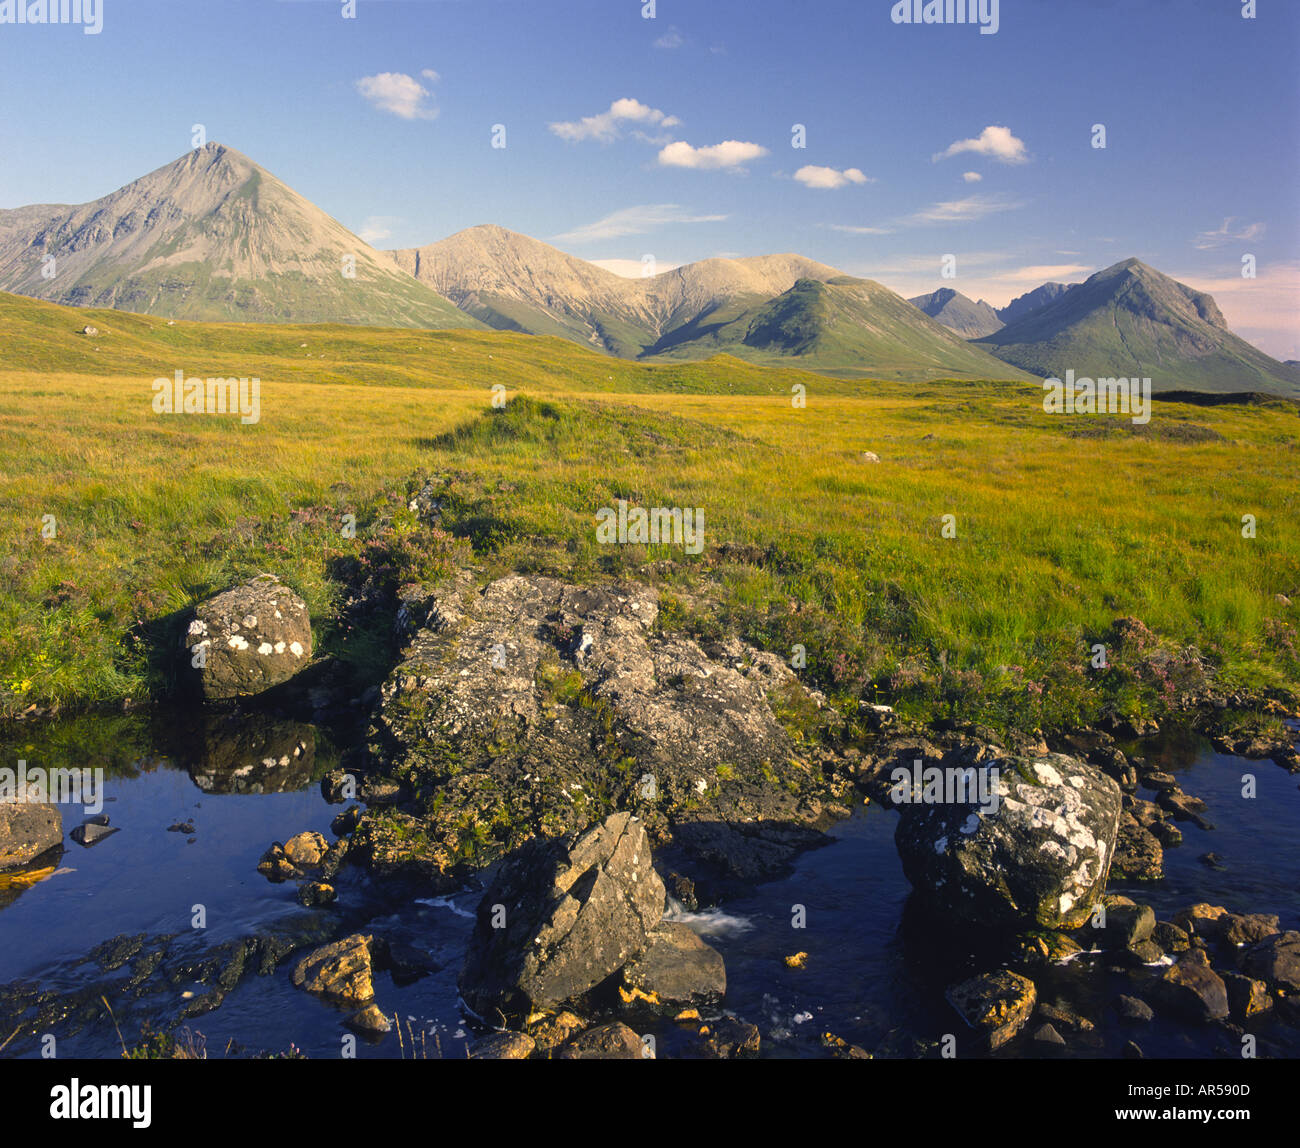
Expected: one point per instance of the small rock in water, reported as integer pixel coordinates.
(1212, 860)
(1193, 989)
(730, 1039)
(503, 1046)
(1046, 1034)
(181, 827)
(677, 969)
(995, 1005)
(607, 1042)
(305, 850)
(316, 893)
(91, 834)
(1133, 1010)
(370, 1019)
(341, 970)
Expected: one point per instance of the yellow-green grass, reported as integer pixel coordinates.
(1056, 535)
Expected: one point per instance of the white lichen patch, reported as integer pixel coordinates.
(1046, 774)
(250, 621)
(279, 647)
(197, 627)
(237, 643)
(295, 648)
(1055, 849)
(264, 648)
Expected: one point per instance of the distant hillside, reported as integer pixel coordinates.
(958, 313)
(843, 326)
(211, 236)
(1130, 320)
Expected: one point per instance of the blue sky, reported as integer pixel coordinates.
(672, 136)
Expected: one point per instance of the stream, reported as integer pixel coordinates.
(869, 976)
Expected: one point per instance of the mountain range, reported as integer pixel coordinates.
(973, 320)
(213, 236)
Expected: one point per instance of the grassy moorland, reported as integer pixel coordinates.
(1062, 524)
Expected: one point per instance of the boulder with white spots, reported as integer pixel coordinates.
(1036, 855)
(248, 639)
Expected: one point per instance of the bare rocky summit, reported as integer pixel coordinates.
(211, 236)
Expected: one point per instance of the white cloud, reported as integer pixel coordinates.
(402, 95)
(670, 40)
(635, 221)
(971, 176)
(827, 178)
(632, 268)
(995, 142)
(1227, 234)
(730, 154)
(607, 126)
(961, 210)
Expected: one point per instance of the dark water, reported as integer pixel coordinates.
(869, 977)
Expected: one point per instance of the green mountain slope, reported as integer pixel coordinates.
(845, 326)
(1131, 321)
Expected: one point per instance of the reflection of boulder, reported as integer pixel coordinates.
(15, 882)
(27, 829)
(254, 753)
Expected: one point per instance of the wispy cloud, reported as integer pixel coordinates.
(1263, 310)
(636, 221)
(971, 176)
(670, 40)
(607, 126)
(827, 178)
(850, 229)
(401, 95)
(731, 155)
(971, 208)
(377, 228)
(994, 141)
(1227, 234)
(989, 275)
